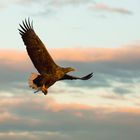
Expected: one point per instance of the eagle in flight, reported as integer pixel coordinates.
(49, 71)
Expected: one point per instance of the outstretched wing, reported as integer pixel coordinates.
(39, 55)
(69, 77)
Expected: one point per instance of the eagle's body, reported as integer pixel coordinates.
(49, 71)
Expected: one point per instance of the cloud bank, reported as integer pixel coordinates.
(79, 54)
(115, 68)
(104, 107)
(38, 117)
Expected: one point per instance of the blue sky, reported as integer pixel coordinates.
(100, 36)
(73, 24)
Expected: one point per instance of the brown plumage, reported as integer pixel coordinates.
(49, 71)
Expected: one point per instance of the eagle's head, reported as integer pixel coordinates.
(68, 69)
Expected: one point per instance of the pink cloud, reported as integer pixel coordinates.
(10, 102)
(56, 107)
(49, 104)
(5, 116)
(107, 8)
(39, 103)
(13, 57)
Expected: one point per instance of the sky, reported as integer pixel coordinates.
(100, 36)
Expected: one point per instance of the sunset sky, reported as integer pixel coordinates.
(100, 36)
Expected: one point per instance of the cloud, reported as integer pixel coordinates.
(5, 116)
(5, 4)
(26, 103)
(36, 118)
(32, 135)
(50, 7)
(111, 61)
(56, 107)
(53, 6)
(12, 58)
(106, 8)
(110, 66)
(97, 54)
(78, 54)
(57, 3)
(122, 90)
(68, 2)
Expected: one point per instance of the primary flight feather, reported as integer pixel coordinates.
(49, 71)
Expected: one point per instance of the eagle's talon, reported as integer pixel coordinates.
(44, 90)
(36, 91)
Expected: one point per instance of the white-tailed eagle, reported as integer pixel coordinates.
(49, 71)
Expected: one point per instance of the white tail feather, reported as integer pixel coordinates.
(30, 81)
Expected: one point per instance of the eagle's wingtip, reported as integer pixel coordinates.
(26, 25)
(87, 76)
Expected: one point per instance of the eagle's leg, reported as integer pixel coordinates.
(37, 90)
(44, 89)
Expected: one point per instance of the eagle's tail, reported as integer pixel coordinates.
(31, 81)
(36, 85)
